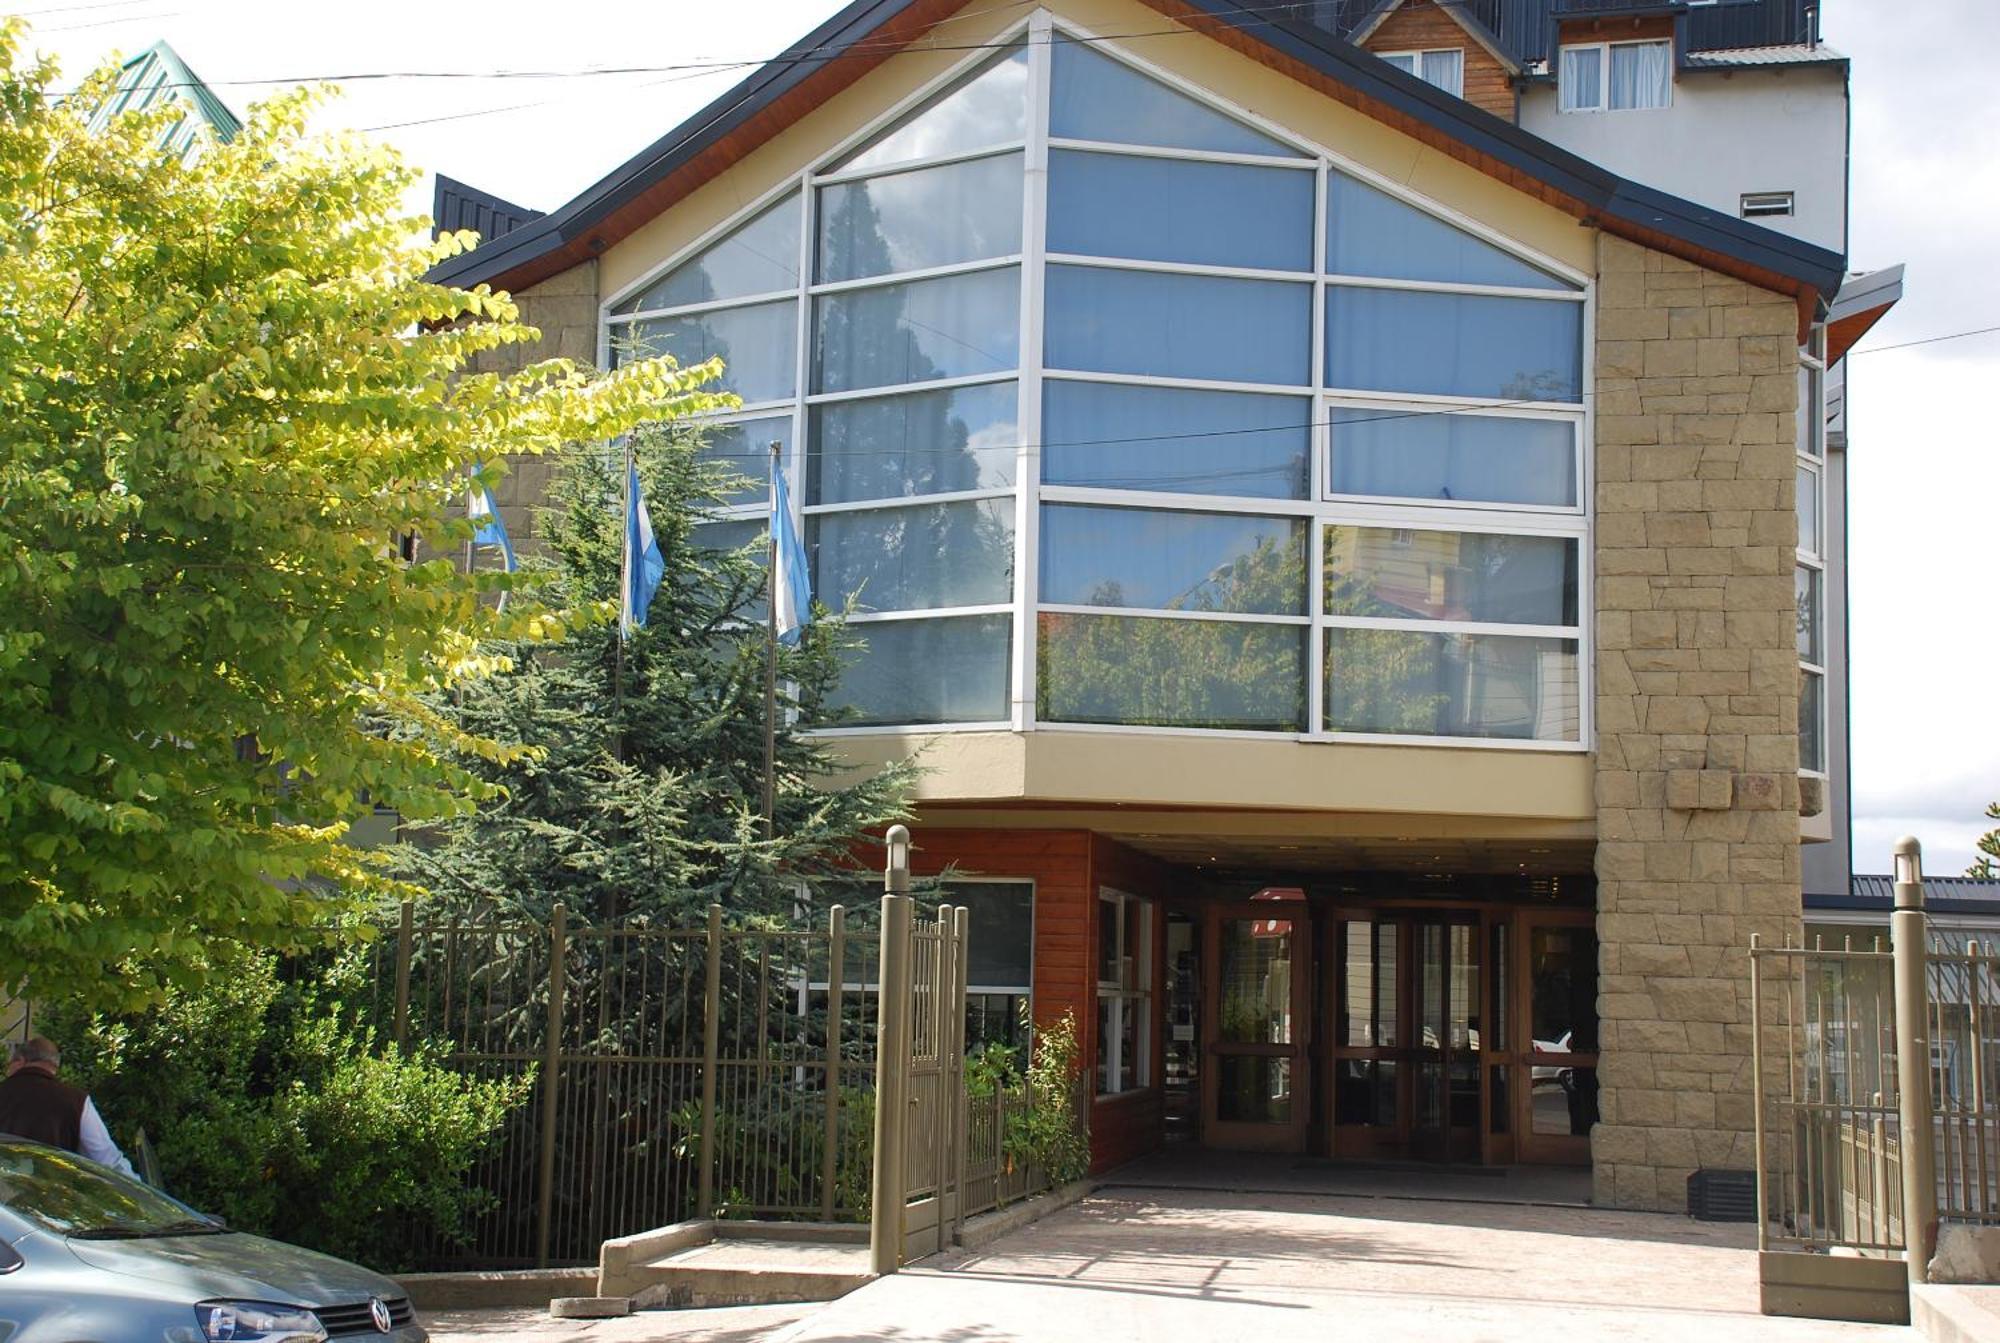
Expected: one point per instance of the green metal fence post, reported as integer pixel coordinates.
(551, 1068)
(711, 1038)
(405, 943)
(1907, 942)
(836, 978)
(954, 1081)
(892, 1062)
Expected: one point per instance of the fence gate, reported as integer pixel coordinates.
(1833, 1139)
(1828, 1160)
(920, 1088)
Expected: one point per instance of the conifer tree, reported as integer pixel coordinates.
(644, 801)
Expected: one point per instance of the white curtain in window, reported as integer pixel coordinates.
(1445, 69)
(1582, 78)
(1639, 75)
(1403, 60)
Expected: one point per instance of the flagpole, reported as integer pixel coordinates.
(771, 653)
(624, 606)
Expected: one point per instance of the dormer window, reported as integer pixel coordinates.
(1443, 67)
(1616, 76)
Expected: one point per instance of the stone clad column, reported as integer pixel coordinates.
(564, 309)
(1696, 706)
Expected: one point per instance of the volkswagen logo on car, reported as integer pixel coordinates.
(379, 1312)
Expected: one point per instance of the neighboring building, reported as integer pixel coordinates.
(1956, 910)
(158, 76)
(1336, 551)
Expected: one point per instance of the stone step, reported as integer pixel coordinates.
(1956, 1314)
(744, 1272)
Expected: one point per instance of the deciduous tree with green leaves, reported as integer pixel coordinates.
(227, 397)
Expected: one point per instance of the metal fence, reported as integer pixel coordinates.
(676, 1073)
(1831, 1121)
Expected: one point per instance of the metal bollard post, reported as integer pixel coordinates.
(711, 1037)
(892, 1061)
(1907, 940)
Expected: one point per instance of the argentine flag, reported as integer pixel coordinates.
(645, 566)
(791, 584)
(488, 529)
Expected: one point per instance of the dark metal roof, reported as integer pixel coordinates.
(1942, 895)
(1597, 195)
(455, 205)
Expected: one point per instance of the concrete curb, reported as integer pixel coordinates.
(1945, 1313)
(521, 1288)
(988, 1227)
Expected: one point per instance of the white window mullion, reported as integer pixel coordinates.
(908, 501)
(1159, 613)
(904, 388)
(992, 151)
(1318, 442)
(1028, 457)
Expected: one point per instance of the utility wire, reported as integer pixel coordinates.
(1927, 340)
(860, 47)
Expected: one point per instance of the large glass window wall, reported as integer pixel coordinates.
(1107, 407)
(1810, 501)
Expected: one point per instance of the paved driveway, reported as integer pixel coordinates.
(1181, 1266)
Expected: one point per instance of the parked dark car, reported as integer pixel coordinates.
(90, 1256)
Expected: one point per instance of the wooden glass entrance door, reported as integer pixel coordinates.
(1255, 1082)
(1444, 1049)
(1410, 1002)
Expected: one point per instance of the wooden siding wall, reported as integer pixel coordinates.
(1068, 868)
(1124, 1127)
(1422, 25)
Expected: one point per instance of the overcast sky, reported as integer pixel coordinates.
(1924, 469)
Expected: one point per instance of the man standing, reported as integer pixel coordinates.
(33, 1104)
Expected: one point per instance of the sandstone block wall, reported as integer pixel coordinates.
(1696, 703)
(564, 308)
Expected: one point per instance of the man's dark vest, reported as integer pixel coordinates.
(35, 1105)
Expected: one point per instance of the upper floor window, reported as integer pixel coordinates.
(1444, 67)
(1616, 76)
(1766, 204)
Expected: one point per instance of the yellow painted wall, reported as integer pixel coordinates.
(1181, 770)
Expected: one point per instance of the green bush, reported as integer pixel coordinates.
(1050, 1132)
(263, 1094)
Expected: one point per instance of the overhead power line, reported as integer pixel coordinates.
(1927, 340)
(860, 47)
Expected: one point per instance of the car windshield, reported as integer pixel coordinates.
(75, 1197)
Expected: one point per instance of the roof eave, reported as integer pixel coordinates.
(569, 229)
(646, 183)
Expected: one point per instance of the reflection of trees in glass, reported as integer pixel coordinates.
(1378, 681)
(918, 555)
(869, 330)
(1549, 384)
(1184, 673)
(913, 443)
(1171, 673)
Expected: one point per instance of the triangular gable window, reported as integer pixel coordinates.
(1096, 98)
(988, 108)
(761, 257)
(1371, 233)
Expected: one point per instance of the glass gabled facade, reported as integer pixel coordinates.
(1107, 407)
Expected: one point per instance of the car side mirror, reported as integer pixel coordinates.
(10, 1259)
